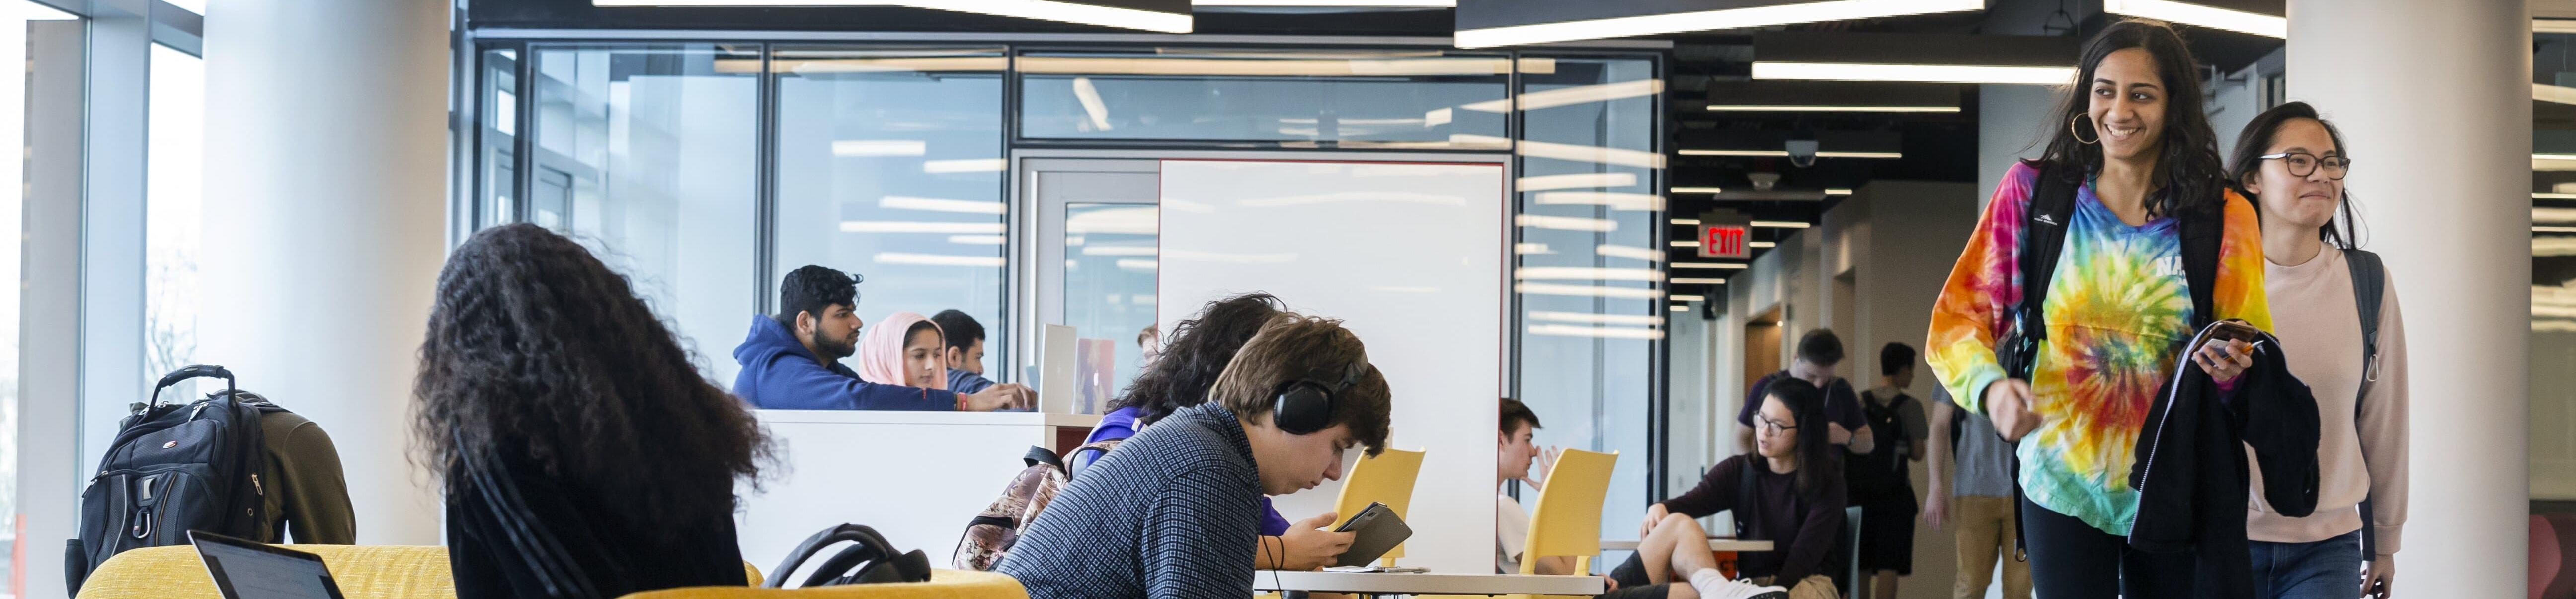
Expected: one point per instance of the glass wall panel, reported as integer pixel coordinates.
(648, 154)
(174, 190)
(890, 165)
(2553, 270)
(1349, 99)
(1589, 270)
(496, 151)
(1110, 264)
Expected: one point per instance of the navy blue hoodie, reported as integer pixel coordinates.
(779, 374)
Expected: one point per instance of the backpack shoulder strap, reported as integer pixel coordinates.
(2201, 234)
(2369, 282)
(2052, 205)
(1746, 496)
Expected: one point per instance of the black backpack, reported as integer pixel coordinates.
(173, 468)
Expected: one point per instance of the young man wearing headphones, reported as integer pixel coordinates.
(1277, 421)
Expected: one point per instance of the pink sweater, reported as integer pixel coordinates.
(2320, 330)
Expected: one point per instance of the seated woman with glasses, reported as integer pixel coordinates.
(1789, 491)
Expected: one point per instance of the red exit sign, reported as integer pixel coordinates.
(1719, 240)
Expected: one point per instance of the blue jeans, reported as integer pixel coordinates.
(2328, 569)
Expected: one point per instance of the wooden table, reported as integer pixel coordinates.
(1714, 544)
(1388, 583)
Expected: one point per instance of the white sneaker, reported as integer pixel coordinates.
(1737, 589)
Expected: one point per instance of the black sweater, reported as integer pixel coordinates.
(1801, 529)
(513, 532)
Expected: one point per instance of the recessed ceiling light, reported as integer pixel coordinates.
(1699, 281)
(1781, 224)
(1837, 191)
(1706, 190)
(1723, 265)
(1785, 153)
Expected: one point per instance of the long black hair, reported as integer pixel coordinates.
(538, 354)
(1195, 353)
(1817, 470)
(2188, 178)
(2256, 141)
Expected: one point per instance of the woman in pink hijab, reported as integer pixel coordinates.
(903, 349)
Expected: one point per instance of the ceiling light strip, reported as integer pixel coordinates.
(1941, 73)
(2206, 16)
(1044, 10)
(1706, 20)
(1780, 108)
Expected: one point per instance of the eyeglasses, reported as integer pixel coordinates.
(1774, 426)
(2303, 164)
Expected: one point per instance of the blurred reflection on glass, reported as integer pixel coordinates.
(647, 154)
(890, 165)
(1588, 270)
(1109, 271)
(1347, 99)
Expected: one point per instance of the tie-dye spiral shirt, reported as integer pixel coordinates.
(2119, 312)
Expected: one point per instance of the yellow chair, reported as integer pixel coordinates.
(362, 571)
(1567, 521)
(944, 584)
(1387, 478)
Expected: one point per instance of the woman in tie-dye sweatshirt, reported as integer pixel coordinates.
(2118, 309)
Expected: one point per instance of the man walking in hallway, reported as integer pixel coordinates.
(1972, 489)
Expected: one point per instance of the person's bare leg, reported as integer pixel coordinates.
(1885, 586)
(1680, 545)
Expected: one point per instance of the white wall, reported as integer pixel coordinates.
(2011, 120)
(1410, 257)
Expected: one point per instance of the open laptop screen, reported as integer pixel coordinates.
(247, 570)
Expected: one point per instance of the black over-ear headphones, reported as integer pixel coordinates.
(1305, 406)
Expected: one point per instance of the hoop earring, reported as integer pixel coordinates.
(2071, 129)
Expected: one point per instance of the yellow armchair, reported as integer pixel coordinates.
(363, 572)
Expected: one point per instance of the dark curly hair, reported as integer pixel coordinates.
(813, 288)
(2188, 179)
(1196, 352)
(539, 353)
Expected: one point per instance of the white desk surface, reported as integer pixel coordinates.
(1713, 545)
(1426, 583)
(929, 417)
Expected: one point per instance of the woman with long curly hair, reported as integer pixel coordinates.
(2134, 149)
(582, 452)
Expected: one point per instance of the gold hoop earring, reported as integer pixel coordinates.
(2071, 129)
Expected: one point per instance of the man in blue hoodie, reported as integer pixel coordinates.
(792, 361)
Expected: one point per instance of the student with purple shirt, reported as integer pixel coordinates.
(1180, 377)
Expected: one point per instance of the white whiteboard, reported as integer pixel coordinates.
(1411, 257)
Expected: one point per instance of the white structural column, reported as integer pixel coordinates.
(325, 224)
(2434, 99)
